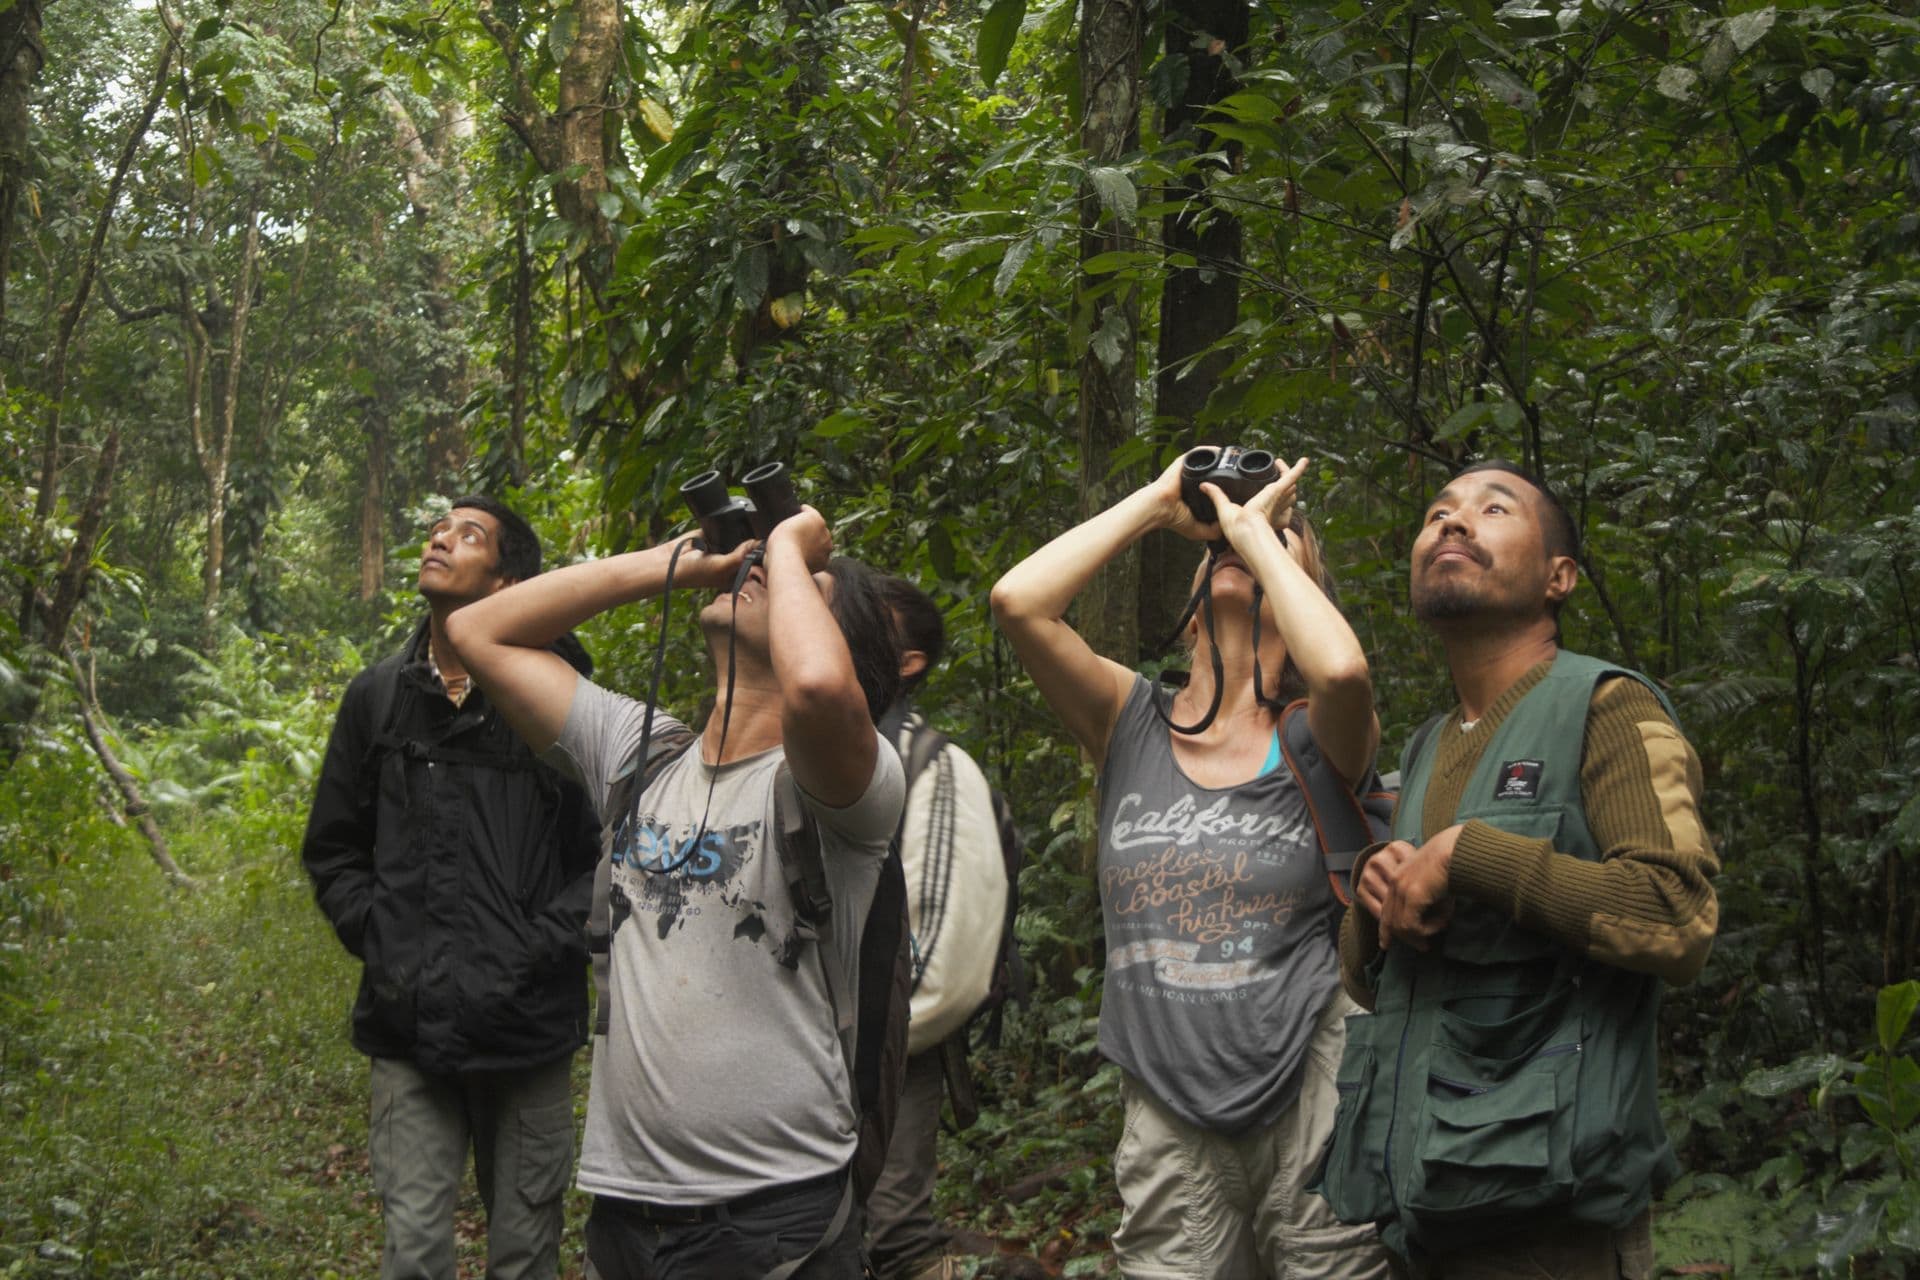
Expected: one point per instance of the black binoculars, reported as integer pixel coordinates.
(727, 521)
(1239, 472)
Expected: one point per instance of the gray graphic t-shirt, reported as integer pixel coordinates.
(1218, 955)
(721, 1073)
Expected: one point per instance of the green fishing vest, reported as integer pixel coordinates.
(1502, 1079)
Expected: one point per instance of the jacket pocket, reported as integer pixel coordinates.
(1495, 1137)
(1354, 1175)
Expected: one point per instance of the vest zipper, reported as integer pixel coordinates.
(1399, 1073)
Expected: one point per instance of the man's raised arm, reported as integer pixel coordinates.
(503, 639)
(825, 721)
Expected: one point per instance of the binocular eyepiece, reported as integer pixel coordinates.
(727, 521)
(1239, 472)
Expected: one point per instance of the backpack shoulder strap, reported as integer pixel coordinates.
(924, 746)
(1339, 820)
(385, 688)
(621, 796)
(387, 735)
(797, 840)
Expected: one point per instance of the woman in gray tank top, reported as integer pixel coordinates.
(1222, 1001)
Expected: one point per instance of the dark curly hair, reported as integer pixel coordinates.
(867, 626)
(519, 544)
(921, 626)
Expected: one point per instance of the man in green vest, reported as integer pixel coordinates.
(1549, 872)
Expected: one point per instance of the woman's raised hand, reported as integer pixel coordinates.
(1173, 510)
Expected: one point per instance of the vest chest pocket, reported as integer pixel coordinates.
(1495, 1137)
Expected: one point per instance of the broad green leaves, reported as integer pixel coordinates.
(998, 27)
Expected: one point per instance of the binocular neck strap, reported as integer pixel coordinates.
(653, 696)
(1259, 594)
(653, 701)
(1202, 601)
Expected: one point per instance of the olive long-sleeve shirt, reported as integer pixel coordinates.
(1647, 905)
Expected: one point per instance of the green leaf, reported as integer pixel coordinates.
(1903, 1211)
(208, 29)
(1772, 1082)
(1109, 344)
(940, 550)
(1509, 89)
(1888, 1089)
(1462, 420)
(997, 31)
(750, 277)
(1280, 392)
(589, 391)
(1840, 1236)
(1115, 189)
(1677, 82)
(1101, 264)
(1746, 29)
(1016, 257)
(835, 425)
(560, 36)
(202, 167)
(1897, 1004)
(1905, 830)
(1167, 80)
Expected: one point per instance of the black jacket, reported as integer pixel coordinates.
(458, 869)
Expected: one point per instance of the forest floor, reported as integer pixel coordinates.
(178, 1098)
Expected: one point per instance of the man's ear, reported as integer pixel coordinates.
(912, 663)
(1563, 572)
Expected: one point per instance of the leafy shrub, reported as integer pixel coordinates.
(1841, 1194)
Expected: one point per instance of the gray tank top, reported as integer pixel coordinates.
(1219, 959)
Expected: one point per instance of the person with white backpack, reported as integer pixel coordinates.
(956, 847)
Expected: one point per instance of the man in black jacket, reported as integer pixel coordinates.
(459, 870)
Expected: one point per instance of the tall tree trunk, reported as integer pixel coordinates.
(572, 139)
(446, 373)
(21, 57)
(572, 144)
(214, 445)
(1109, 55)
(76, 566)
(1199, 304)
(75, 309)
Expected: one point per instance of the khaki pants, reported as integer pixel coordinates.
(520, 1126)
(1200, 1205)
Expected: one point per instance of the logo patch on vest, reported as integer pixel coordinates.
(1519, 780)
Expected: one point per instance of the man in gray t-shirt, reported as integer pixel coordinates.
(721, 1120)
